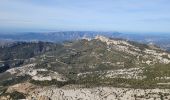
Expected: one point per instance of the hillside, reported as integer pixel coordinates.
(103, 67)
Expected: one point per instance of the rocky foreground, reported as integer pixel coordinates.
(33, 92)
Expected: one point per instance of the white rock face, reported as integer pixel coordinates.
(22, 70)
(35, 71)
(168, 55)
(103, 93)
(42, 78)
(109, 41)
(86, 38)
(52, 75)
(158, 56)
(131, 73)
(29, 70)
(121, 45)
(97, 93)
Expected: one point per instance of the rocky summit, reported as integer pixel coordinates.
(99, 68)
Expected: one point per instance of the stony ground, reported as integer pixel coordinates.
(98, 93)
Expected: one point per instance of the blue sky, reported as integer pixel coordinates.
(95, 15)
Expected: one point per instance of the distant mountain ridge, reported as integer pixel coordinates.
(56, 36)
(161, 40)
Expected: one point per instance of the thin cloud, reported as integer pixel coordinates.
(129, 15)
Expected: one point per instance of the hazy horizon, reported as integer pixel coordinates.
(79, 15)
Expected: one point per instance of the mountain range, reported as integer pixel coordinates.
(159, 39)
(101, 68)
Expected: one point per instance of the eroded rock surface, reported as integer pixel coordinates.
(33, 92)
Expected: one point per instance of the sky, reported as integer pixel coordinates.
(85, 15)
